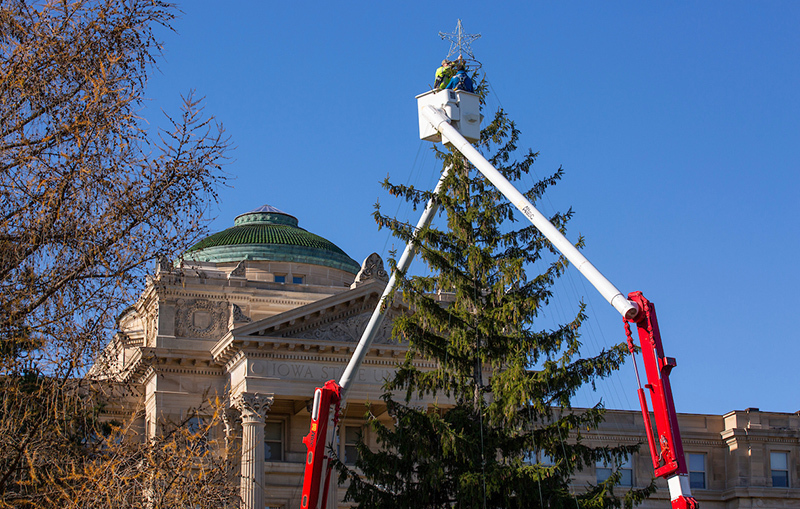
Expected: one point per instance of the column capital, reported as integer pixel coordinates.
(252, 406)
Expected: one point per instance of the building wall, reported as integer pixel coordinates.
(736, 449)
(232, 330)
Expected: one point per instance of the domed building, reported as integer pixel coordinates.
(271, 235)
(260, 315)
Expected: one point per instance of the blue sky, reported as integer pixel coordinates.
(678, 126)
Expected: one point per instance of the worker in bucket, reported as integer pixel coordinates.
(443, 74)
(461, 81)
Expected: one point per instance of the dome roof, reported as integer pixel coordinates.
(268, 233)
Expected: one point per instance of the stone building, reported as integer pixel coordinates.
(263, 312)
(743, 459)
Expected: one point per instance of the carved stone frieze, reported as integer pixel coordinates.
(372, 268)
(201, 318)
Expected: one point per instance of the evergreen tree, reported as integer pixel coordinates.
(481, 449)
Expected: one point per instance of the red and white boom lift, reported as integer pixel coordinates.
(453, 117)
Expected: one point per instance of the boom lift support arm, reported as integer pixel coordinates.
(665, 444)
(333, 393)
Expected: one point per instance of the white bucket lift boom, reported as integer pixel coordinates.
(453, 117)
(665, 444)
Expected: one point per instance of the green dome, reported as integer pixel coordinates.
(270, 234)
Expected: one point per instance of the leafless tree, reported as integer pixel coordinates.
(90, 195)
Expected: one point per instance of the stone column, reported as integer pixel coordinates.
(253, 408)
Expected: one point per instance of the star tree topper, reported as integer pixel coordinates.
(460, 42)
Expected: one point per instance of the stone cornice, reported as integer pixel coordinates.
(706, 442)
(225, 349)
(237, 357)
(123, 412)
(387, 361)
(227, 354)
(242, 294)
(781, 495)
(218, 371)
(191, 294)
(761, 435)
(619, 436)
(136, 368)
(168, 360)
(605, 436)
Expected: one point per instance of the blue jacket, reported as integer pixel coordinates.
(461, 82)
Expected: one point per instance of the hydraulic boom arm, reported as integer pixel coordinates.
(332, 393)
(665, 442)
(665, 445)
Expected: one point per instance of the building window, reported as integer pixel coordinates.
(626, 468)
(779, 465)
(298, 280)
(351, 434)
(273, 441)
(194, 425)
(534, 457)
(697, 470)
(280, 278)
(604, 470)
(198, 433)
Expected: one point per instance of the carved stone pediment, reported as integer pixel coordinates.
(342, 322)
(348, 329)
(332, 325)
(339, 318)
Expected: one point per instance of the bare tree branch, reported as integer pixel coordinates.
(89, 196)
